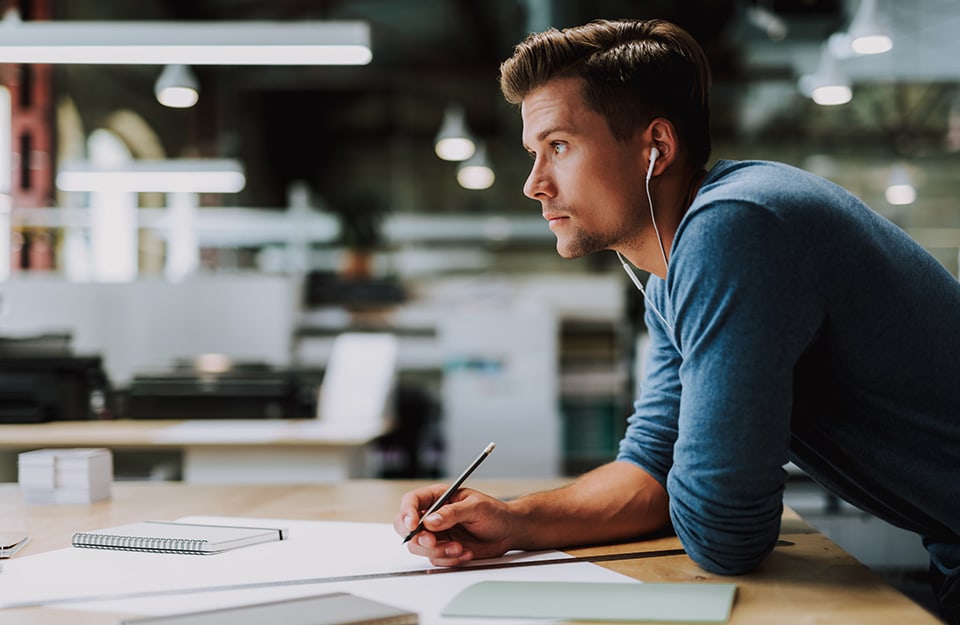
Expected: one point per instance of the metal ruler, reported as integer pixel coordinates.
(633, 555)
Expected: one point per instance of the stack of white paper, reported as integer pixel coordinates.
(66, 475)
(319, 557)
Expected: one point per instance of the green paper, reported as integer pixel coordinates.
(596, 601)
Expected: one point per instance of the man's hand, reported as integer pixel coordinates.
(616, 501)
(470, 526)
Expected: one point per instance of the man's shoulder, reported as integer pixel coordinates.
(761, 209)
(761, 182)
(738, 191)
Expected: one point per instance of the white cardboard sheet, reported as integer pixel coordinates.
(316, 550)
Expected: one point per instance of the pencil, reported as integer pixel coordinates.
(450, 491)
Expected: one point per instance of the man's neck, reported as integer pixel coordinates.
(670, 203)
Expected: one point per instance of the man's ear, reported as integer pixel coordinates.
(661, 134)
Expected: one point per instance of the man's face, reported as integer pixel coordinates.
(590, 186)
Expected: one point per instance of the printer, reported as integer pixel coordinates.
(42, 380)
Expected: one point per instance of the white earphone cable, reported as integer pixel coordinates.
(639, 285)
(653, 218)
(663, 252)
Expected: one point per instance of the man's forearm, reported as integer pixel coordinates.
(613, 502)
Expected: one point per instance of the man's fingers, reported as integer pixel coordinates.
(412, 504)
(439, 551)
(447, 517)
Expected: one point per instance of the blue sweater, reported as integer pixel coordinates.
(805, 327)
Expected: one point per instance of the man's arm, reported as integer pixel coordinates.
(613, 502)
(616, 501)
(749, 309)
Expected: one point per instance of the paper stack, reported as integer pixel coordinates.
(66, 475)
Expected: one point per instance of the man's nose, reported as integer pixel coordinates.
(537, 185)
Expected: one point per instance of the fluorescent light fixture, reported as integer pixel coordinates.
(453, 142)
(185, 43)
(177, 87)
(162, 176)
(900, 190)
(475, 173)
(867, 34)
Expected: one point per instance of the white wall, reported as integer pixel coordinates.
(150, 324)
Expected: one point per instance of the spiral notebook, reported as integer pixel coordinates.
(174, 537)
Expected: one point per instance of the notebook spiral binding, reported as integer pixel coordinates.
(138, 543)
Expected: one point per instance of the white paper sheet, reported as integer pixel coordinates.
(315, 550)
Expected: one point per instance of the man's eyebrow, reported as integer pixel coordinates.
(543, 134)
(549, 131)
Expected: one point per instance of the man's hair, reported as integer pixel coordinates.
(632, 70)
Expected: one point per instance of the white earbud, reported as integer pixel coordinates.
(654, 153)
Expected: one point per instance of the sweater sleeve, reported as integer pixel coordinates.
(713, 419)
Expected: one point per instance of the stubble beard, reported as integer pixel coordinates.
(581, 244)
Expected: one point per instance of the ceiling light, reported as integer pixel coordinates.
(162, 176)
(185, 43)
(867, 34)
(475, 173)
(177, 87)
(453, 142)
(900, 189)
(829, 85)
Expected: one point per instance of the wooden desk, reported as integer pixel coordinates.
(810, 581)
(214, 452)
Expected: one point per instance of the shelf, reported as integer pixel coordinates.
(594, 381)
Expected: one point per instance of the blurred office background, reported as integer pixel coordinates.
(290, 203)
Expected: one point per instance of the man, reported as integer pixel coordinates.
(787, 321)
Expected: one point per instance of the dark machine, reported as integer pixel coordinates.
(241, 392)
(42, 380)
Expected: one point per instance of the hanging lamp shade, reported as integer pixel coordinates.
(900, 190)
(453, 141)
(868, 35)
(476, 173)
(829, 85)
(177, 87)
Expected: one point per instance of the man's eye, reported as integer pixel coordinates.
(559, 148)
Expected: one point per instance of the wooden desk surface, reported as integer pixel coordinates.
(278, 451)
(810, 581)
